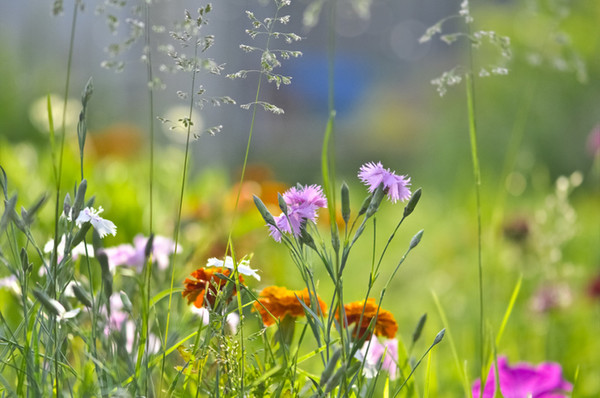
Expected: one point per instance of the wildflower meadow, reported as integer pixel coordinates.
(300, 198)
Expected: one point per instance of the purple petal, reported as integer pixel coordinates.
(396, 186)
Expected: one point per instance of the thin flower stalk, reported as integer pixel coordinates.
(477, 175)
(180, 205)
(148, 263)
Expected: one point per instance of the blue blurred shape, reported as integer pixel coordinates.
(310, 81)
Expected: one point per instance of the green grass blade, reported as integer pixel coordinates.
(463, 374)
(509, 309)
(328, 178)
(161, 295)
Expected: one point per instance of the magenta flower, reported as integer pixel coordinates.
(395, 186)
(524, 380)
(302, 205)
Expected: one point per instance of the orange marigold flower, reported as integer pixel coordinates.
(275, 301)
(205, 285)
(385, 325)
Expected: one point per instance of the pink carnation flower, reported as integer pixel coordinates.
(133, 255)
(302, 205)
(524, 380)
(395, 186)
(374, 352)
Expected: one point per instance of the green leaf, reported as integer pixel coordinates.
(28, 217)
(509, 309)
(9, 208)
(4, 182)
(330, 367)
(161, 295)
(327, 174)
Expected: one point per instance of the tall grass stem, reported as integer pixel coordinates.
(57, 207)
(477, 175)
(180, 208)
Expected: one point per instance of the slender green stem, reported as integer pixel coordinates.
(229, 248)
(477, 175)
(146, 287)
(180, 206)
(331, 56)
(58, 183)
(150, 80)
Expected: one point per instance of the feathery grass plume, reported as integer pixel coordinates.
(269, 57)
(133, 31)
(475, 40)
(187, 34)
(559, 51)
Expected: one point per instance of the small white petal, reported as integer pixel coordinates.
(101, 225)
(202, 313)
(243, 266)
(71, 314)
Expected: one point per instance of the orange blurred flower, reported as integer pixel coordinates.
(258, 181)
(385, 325)
(279, 302)
(205, 285)
(121, 140)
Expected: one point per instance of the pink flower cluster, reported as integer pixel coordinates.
(304, 201)
(302, 205)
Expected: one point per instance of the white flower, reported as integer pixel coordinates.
(101, 225)
(243, 266)
(232, 322)
(202, 313)
(11, 282)
(63, 314)
(75, 252)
